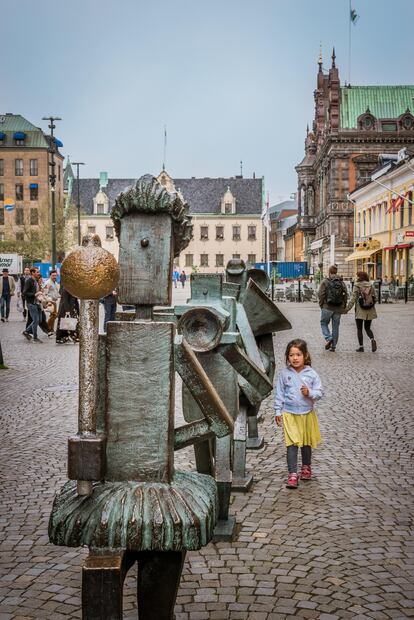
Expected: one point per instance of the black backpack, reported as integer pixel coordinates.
(335, 293)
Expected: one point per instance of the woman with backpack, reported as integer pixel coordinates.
(363, 296)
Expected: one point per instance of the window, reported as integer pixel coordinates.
(34, 217)
(203, 260)
(219, 260)
(203, 233)
(91, 230)
(1, 167)
(236, 255)
(251, 233)
(1, 236)
(18, 167)
(389, 126)
(1, 216)
(251, 258)
(219, 233)
(33, 168)
(1, 191)
(75, 233)
(410, 208)
(19, 191)
(228, 207)
(109, 232)
(34, 235)
(100, 208)
(19, 216)
(236, 233)
(19, 236)
(189, 260)
(34, 193)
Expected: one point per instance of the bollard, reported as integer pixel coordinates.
(406, 292)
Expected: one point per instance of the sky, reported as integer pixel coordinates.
(232, 80)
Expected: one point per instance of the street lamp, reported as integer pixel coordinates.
(52, 180)
(77, 164)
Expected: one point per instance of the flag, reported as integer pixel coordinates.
(354, 17)
(395, 204)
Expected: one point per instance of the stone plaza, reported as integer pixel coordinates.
(340, 546)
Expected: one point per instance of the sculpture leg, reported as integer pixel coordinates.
(241, 481)
(159, 574)
(102, 585)
(225, 527)
(254, 441)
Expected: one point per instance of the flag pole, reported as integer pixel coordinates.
(165, 147)
(349, 44)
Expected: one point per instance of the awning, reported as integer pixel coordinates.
(58, 142)
(19, 135)
(359, 254)
(389, 247)
(316, 244)
(401, 246)
(33, 185)
(2, 135)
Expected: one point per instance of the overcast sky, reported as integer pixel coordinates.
(231, 79)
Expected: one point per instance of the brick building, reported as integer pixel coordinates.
(24, 180)
(352, 126)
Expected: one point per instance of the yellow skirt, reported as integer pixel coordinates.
(301, 430)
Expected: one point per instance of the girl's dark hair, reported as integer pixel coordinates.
(302, 346)
(362, 276)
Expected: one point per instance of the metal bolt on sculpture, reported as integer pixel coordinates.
(125, 500)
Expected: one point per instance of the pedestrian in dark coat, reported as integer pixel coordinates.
(363, 316)
(68, 305)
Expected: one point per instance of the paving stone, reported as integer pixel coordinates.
(342, 543)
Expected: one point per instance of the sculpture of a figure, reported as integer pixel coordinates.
(310, 200)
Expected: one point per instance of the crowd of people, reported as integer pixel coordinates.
(44, 304)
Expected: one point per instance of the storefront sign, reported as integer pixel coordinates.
(409, 233)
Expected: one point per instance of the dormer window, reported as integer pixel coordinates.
(228, 203)
(101, 203)
(406, 121)
(367, 122)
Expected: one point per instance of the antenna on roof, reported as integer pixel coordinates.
(241, 168)
(165, 147)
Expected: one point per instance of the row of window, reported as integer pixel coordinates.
(19, 192)
(251, 233)
(19, 168)
(109, 232)
(219, 259)
(375, 220)
(19, 236)
(19, 216)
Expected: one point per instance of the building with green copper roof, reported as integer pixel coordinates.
(352, 127)
(383, 102)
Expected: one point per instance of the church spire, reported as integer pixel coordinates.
(320, 58)
(333, 58)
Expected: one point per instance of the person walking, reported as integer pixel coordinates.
(363, 297)
(183, 278)
(51, 292)
(333, 296)
(8, 287)
(176, 277)
(30, 291)
(298, 387)
(69, 305)
(109, 303)
(19, 289)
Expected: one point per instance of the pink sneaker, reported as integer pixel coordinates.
(293, 481)
(306, 472)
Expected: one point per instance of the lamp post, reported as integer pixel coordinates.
(52, 180)
(77, 164)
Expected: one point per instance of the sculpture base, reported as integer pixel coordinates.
(242, 484)
(254, 443)
(225, 530)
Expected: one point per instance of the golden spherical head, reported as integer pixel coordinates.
(90, 272)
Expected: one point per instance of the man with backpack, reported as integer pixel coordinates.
(333, 297)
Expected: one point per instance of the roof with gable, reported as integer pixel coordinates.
(383, 102)
(203, 195)
(9, 123)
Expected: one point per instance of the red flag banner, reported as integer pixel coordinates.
(395, 204)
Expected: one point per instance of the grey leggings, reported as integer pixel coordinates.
(292, 457)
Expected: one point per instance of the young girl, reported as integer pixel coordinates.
(298, 386)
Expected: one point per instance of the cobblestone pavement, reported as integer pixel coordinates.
(340, 546)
